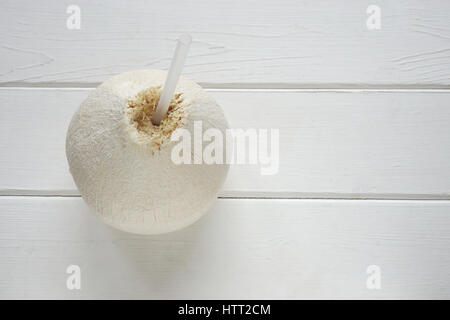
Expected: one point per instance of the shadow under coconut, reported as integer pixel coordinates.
(169, 266)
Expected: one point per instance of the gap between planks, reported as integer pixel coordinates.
(276, 87)
(262, 196)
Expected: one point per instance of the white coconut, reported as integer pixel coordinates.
(121, 162)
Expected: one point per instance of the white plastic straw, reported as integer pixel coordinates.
(184, 41)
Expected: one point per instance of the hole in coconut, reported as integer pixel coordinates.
(141, 109)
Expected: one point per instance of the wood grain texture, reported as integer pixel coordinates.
(332, 144)
(243, 249)
(287, 43)
(383, 143)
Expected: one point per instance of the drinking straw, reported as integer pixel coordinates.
(179, 57)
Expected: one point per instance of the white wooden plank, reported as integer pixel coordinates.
(332, 144)
(243, 249)
(275, 43)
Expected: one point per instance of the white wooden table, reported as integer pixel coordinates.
(364, 120)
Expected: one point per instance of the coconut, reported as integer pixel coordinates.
(121, 162)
